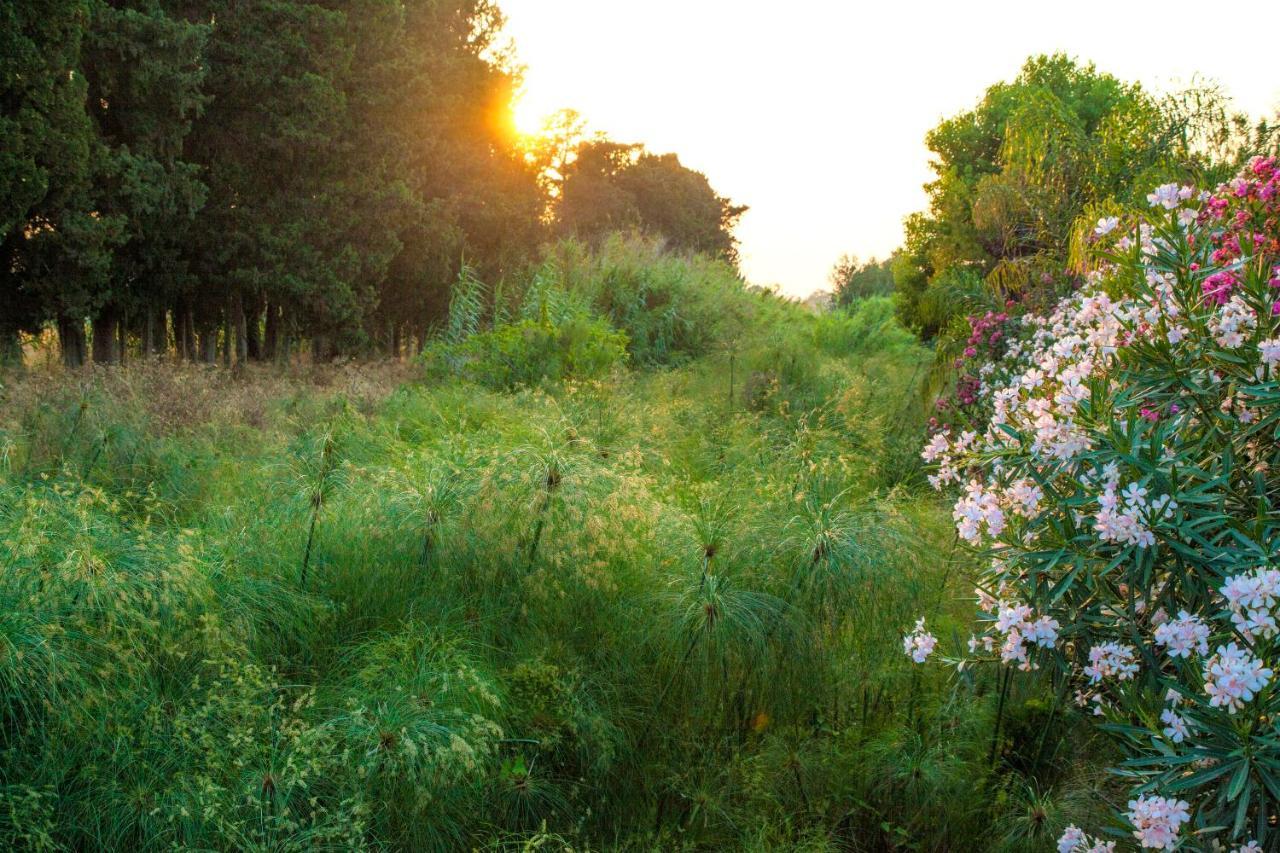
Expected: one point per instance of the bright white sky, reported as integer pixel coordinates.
(814, 113)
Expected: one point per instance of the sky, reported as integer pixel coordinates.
(814, 113)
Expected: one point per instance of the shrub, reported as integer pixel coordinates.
(531, 351)
(672, 307)
(1124, 490)
(865, 326)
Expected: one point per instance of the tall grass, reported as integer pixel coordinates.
(630, 611)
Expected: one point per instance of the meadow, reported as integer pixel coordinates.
(360, 607)
(381, 472)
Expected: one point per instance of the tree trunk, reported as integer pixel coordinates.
(122, 349)
(179, 329)
(72, 341)
(284, 347)
(319, 348)
(226, 336)
(10, 348)
(189, 333)
(395, 341)
(106, 336)
(271, 334)
(208, 343)
(240, 327)
(149, 333)
(253, 330)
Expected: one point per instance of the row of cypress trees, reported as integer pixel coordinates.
(230, 178)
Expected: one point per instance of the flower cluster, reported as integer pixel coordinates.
(1232, 677)
(1183, 635)
(1016, 630)
(1114, 661)
(1074, 840)
(1156, 821)
(1123, 517)
(919, 643)
(1251, 597)
(991, 336)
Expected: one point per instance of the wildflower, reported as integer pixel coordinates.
(1106, 225)
(1156, 821)
(1232, 677)
(919, 643)
(1249, 847)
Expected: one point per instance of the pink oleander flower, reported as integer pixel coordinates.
(1071, 839)
(1251, 598)
(1157, 820)
(1175, 726)
(1233, 676)
(1111, 660)
(1166, 196)
(1217, 288)
(1075, 841)
(937, 446)
(1184, 635)
(1270, 350)
(919, 644)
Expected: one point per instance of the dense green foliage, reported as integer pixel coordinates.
(651, 609)
(1118, 488)
(236, 178)
(1023, 175)
(609, 186)
(852, 279)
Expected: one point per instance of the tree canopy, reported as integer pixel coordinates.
(610, 186)
(1018, 175)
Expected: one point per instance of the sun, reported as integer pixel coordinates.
(528, 115)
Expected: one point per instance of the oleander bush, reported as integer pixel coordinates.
(1116, 461)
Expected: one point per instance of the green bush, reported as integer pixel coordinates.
(672, 307)
(866, 326)
(528, 352)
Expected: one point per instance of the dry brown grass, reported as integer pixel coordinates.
(174, 397)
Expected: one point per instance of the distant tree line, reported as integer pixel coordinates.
(232, 179)
(852, 279)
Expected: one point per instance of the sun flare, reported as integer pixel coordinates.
(529, 115)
